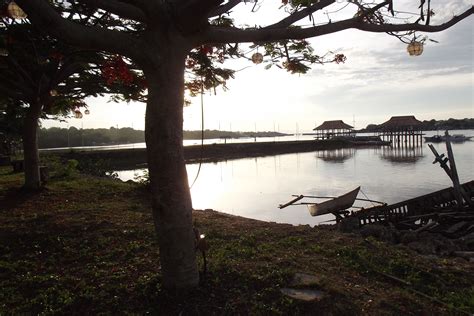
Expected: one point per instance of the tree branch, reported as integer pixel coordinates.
(365, 12)
(191, 15)
(298, 15)
(42, 14)
(8, 92)
(122, 9)
(18, 85)
(21, 72)
(224, 8)
(219, 35)
(66, 70)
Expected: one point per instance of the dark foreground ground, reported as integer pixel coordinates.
(86, 245)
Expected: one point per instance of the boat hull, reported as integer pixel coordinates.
(340, 203)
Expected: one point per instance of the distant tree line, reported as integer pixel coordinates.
(73, 137)
(212, 134)
(433, 125)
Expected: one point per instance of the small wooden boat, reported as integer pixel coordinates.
(455, 138)
(335, 205)
(434, 139)
(459, 138)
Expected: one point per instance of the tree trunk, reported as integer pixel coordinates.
(30, 147)
(172, 206)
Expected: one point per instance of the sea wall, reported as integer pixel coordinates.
(131, 158)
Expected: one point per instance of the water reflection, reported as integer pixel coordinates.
(336, 155)
(402, 154)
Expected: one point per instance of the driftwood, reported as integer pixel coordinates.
(430, 219)
(451, 171)
(455, 225)
(440, 206)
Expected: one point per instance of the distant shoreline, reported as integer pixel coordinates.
(61, 137)
(55, 137)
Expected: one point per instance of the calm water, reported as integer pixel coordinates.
(254, 187)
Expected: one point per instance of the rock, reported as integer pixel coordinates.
(468, 241)
(381, 232)
(422, 247)
(372, 231)
(455, 228)
(349, 225)
(303, 279)
(408, 237)
(429, 243)
(303, 294)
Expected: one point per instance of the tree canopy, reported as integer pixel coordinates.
(39, 68)
(42, 77)
(209, 25)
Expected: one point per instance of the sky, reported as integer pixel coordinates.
(378, 80)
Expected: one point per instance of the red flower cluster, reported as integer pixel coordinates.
(117, 71)
(56, 55)
(339, 58)
(206, 49)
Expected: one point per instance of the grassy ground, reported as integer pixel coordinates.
(86, 245)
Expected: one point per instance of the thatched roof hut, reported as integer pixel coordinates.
(333, 125)
(331, 129)
(400, 130)
(401, 123)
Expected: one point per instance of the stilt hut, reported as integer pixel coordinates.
(331, 129)
(402, 130)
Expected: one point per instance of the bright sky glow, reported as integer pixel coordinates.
(377, 81)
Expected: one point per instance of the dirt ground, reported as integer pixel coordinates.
(86, 245)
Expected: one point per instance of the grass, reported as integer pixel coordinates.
(86, 245)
